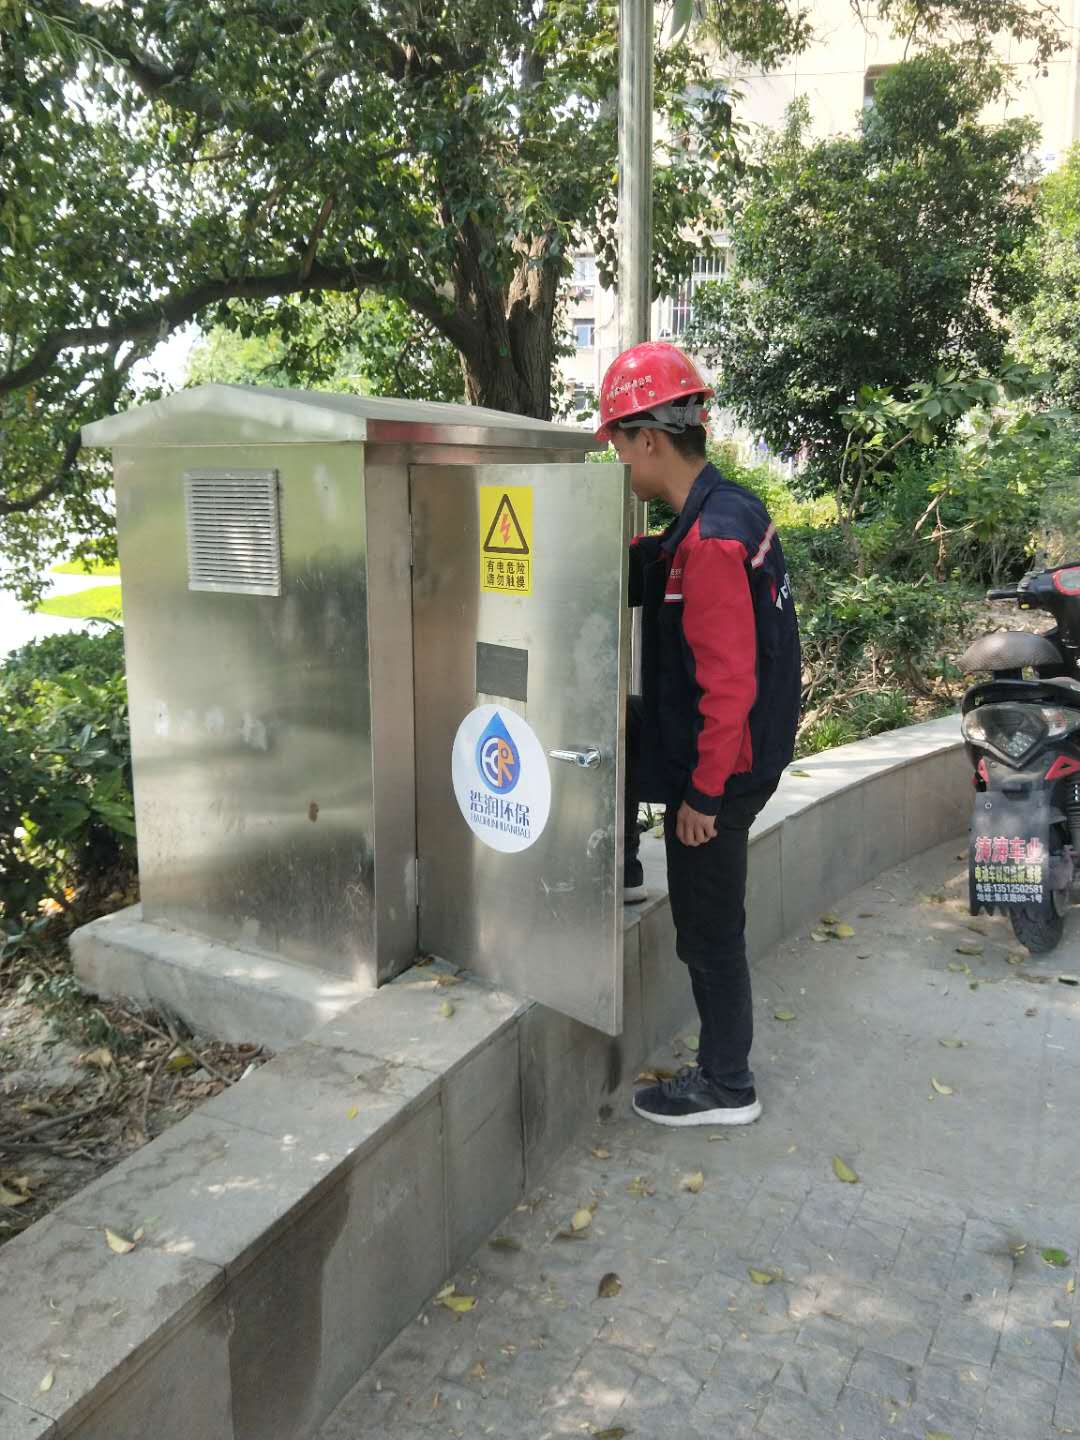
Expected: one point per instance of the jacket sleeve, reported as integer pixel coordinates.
(720, 630)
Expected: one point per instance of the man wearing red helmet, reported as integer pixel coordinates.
(715, 724)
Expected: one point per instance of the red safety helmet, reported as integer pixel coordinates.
(645, 378)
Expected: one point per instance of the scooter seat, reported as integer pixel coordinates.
(1010, 650)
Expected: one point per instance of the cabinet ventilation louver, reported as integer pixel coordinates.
(233, 531)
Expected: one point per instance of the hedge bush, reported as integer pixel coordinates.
(66, 816)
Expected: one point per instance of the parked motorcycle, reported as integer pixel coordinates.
(1022, 731)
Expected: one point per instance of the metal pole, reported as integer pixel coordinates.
(635, 215)
(635, 169)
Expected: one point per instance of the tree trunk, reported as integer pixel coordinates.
(511, 365)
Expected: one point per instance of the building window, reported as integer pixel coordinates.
(582, 398)
(584, 332)
(584, 276)
(706, 268)
(870, 80)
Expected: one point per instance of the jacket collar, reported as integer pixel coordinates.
(702, 488)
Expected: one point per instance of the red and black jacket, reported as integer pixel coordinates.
(721, 666)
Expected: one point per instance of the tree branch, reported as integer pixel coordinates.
(157, 318)
(49, 487)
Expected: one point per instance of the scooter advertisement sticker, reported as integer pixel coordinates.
(1009, 851)
(501, 779)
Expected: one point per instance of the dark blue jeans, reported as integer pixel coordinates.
(707, 888)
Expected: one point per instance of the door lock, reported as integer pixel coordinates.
(587, 759)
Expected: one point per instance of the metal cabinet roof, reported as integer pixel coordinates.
(261, 414)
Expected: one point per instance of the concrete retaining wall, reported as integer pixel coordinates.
(298, 1221)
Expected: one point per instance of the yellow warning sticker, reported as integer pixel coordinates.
(506, 548)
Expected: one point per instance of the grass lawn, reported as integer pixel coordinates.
(92, 567)
(100, 602)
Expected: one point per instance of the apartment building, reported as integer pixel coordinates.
(837, 74)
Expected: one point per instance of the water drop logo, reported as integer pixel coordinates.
(497, 757)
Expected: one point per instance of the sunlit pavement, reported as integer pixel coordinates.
(934, 1297)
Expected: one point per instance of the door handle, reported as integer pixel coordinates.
(587, 759)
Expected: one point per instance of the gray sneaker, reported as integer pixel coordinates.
(692, 1099)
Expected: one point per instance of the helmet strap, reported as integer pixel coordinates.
(672, 419)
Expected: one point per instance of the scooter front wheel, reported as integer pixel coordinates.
(1040, 927)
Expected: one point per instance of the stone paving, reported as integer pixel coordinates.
(776, 1301)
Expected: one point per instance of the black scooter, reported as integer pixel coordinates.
(1023, 739)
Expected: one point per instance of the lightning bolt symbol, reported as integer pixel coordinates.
(504, 528)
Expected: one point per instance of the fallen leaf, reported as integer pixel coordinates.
(1016, 957)
(1076, 1351)
(117, 1243)
(478, 1371)
(446, 1290)
(616, 1432)
(599, 1153)
(1057, 1258)
(940, 1088)
(12, 1197)
(459, 1304)
(819, 936)
(446, 1009)
(970, 947)
(694, 1182)
(867, 915)
(138, 1235)
(352, 1112)
(830, 919)
(973, 985)
(1020, 1248)
(692, 1042)
(783, 1014)
(447, 980)
(800, 774)
(504, 1242)
(937, 1435)
(610, 1286)
(958, 969)
(641, 1187)
(844, 932)
(1068, 980)
(1031, 1012)
(47, 1382)
(101, 1059)
(582, 1219)
(761, 1277)
(952, 1044)
(1070, 1286)
(1061, 1324)
(843, 1171)
(180, 1060)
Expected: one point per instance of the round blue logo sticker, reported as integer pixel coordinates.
(497, 757)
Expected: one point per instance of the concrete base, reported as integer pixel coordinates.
(230, 994)
(296, 1222)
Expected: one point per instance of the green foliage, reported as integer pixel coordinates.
(1047, 326)
(972, 24)
(66, 815)
(870, 261)
(165, 162)
(363, 345)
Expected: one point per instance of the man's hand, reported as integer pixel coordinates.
(693, 828)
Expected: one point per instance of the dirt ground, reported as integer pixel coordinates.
(84, 1082)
